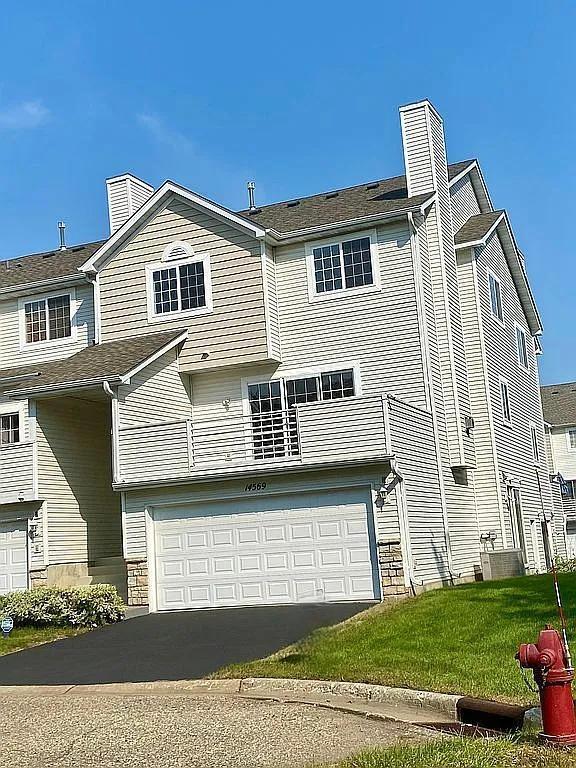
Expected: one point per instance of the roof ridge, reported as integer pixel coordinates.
(55, 251)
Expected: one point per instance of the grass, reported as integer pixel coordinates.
(26, 637)
(458, 640)
(464, 753)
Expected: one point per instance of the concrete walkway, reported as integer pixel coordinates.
(204, 731)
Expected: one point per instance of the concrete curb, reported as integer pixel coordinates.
(380, 694)
(384, 702)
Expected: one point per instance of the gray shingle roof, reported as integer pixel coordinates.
(477, 227)
(45, 266)
(559, 403)
(101, 362)
(375, 197)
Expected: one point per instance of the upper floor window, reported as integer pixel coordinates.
(47, 319)
(9, 428)
(505, 402)
(182, 287)
(346, 265)
(534, 443)
(495, 297)
(522, 347)
(571, 435)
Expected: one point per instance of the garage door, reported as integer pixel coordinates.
(267, 550)
(13, 557)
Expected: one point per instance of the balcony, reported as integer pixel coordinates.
(16, 472)
(313, 434)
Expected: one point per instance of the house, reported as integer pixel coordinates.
(559, 406)
(334, 397)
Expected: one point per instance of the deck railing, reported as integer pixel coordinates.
(350, 429)
(16, 472)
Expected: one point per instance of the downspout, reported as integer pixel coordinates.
(114, 431)
(400, 496)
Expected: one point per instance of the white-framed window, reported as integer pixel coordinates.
(505, 401)
(342, 266)
(47, 319)
(271, 406)
(571, 438)
(495, 290)
(534, 442)
(179, 287)
(522, 347)
(10, 428)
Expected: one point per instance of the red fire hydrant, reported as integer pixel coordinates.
(547, 660)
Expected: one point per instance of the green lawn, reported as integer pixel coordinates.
(464, 753)
(457, 640)
(25, 637)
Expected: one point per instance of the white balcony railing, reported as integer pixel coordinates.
(16, 472)
(315, 433)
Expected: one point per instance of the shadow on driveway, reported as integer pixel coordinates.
(169, 646)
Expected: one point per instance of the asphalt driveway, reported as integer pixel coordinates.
(182, 645)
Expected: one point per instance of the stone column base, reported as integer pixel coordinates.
(137, 571)
(392, 570)
(38, 578)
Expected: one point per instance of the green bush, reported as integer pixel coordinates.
(63, 606)
(565, 565)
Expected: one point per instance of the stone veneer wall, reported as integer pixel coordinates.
(137, 571)
(392, 570)
(39, 578)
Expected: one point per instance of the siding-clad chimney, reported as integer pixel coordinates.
(126, 194)
(427, 171)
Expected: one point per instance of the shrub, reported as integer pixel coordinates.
(63, 606)
(565, 565)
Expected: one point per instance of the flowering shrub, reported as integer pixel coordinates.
(63, 606)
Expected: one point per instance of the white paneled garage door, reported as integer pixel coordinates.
(13, 556)
(260, 551)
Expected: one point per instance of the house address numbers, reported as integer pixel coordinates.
(253, 487)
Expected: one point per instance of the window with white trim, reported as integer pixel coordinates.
(495, 297)
(179, 288)
(47, 319)
(522, 347)
(534, 443)
(342, 265)
(271, 404)
(571, 435)
(9, 428)
(505, 401)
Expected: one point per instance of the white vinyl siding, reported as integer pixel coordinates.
(158, 393)
(74, 476)
(564, 455)
(380, 330)
(464, 202)
(513, 443)
(235, 332)
(12, 355)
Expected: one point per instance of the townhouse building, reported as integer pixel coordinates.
(334, 397)
(559, 406)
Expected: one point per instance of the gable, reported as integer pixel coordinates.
(233, 329)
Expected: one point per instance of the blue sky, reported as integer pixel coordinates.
(301, 97)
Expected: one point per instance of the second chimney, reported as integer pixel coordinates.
(126, 194)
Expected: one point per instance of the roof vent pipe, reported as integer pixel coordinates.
(251, 188)
(62, 231)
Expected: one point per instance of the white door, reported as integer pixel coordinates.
(13, 556)
(268, 550)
